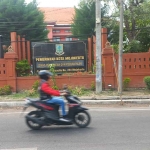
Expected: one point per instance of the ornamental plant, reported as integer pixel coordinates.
(52, 70)
(147, 82)
(126, 82)
(23, 67)
(5, 90)
(35, 85)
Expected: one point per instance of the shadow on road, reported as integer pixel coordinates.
(65, 130)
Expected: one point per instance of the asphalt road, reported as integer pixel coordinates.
(110, 129)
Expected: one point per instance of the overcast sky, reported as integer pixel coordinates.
(56, 3)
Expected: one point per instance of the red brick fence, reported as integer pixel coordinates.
(135, 66)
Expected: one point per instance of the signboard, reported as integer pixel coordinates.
(66, 56)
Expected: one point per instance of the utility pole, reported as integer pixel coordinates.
(98, 48)
(120, 48)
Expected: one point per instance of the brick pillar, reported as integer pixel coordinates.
(108, 67)
(19, 48)
(94, 48)
(90, 54)
(23, 48)
(103, 41)
(104, 37)
(13, 36)
(11, 59)
(28, 52)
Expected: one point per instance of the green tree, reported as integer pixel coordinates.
(136, 24)
(84, 19)
(135, 16)
(25, 19)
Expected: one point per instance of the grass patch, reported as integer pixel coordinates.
(80, 92)
(18, 96)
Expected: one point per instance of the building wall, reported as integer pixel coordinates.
(50, 34)
(60, 33)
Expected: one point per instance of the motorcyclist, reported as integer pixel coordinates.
(46, 92)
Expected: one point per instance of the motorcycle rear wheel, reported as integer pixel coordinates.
(82, 119)
(31, 124)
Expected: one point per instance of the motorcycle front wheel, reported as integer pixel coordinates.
(82, 119)
(31, 124)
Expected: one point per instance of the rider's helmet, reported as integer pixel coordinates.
(44, 74)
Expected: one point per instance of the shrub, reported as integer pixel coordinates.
(55, 87)
(6, 90)
(76, 90)
(147, 82)
(133, 47)
(126, 82)
(23, 67)
(116, 48)
(31, 92)
(34, 91)
(35, 85)
(93, 86)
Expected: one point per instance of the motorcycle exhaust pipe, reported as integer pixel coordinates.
(35, 120)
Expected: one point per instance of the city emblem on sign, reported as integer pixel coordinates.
(59, 49)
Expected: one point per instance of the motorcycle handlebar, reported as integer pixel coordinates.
(65, 91)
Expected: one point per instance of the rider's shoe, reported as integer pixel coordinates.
(63, 119)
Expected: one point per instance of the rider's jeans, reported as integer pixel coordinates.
(59, 101)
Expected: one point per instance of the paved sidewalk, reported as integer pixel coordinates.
(93, 100)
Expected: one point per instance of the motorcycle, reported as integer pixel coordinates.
(48, 114)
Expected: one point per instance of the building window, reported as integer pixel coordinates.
(68, 39)
(56, 39)
(56, 31)
(67, 31)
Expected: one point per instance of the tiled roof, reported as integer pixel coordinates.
(60, 15)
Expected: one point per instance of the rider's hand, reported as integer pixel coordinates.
(62, 94)
(62, 91)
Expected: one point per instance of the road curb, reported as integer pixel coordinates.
(117, 98)
(86, 102)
